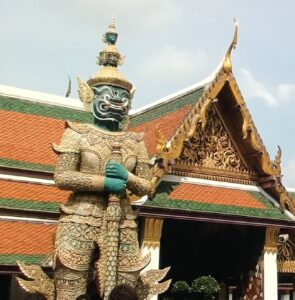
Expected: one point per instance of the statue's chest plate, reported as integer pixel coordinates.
(97, 149)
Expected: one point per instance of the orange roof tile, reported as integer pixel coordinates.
(215, 195)
(31, 140)
(168, 125)
(26, 238)
(32, 191)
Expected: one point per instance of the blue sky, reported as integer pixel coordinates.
(168, 45)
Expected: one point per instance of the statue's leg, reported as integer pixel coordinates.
(130, 260)
(69, 283)
(74, 256)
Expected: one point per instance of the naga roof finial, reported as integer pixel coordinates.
(227, 66)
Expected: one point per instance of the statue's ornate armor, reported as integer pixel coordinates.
(83, 154)
(96, 236)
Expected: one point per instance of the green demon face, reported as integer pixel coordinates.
(111, 37)
(110, 103)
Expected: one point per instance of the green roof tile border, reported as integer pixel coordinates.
(165, 108)
(45, 110)
(31, 205)
(10, 259)
(11, 163)
(161, 200)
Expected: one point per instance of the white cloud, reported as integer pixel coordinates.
(272, 95)
(253, 88)
(286, 92)
(289, 173)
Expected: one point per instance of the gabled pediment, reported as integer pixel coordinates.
(218, 140)
(211, 152)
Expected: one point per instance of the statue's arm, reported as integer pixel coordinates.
(67, 175)
(139, 181)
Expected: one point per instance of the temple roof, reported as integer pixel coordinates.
(31, 196)
(198, 199)
(28, 146)
(244, 189)
(26, 241)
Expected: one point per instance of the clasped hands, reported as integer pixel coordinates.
(116, 178)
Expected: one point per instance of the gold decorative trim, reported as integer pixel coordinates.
(250, 131)
(287, 266)
(152, 232)
(218, 175)
(271, 239)
(286, 200)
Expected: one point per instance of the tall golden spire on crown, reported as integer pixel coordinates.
(108, 60)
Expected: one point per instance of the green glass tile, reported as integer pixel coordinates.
(10, 259)
(29, 205)
(25, 165)
(46, 110)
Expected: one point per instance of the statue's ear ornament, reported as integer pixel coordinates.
(132, 92)
(86, 94)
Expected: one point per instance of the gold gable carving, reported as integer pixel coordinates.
(211, 148)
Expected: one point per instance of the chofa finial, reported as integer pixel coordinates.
(227, 66)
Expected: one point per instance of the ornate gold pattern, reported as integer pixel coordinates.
(39, 282)
(89, 221)
(286, 256)
(97, 147)
(271, 239)
(286, 251)
(152, 232)
(226, 177)
(86, 94)
(211, 148)
(250, 131)
(287, 266)
(148, 284)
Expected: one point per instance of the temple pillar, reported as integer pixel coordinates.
(151, 242)
(270, 269)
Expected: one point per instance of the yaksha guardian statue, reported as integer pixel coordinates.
(103, 164)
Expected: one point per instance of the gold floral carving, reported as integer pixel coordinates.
(286, 256)
(152, 232)
(271, 239)
(212, 148)
(286, 251)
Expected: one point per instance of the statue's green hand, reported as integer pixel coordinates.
(114, 185)
(116, 170)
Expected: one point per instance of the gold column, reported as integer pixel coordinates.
(152, 232)
(271, 240)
